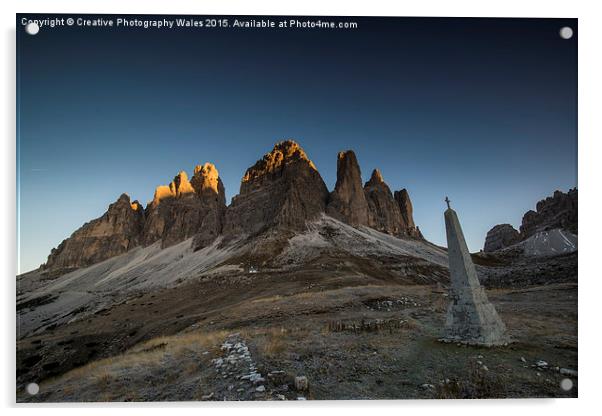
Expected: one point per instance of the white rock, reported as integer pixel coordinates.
(301, 383)
(260, 389)
(568, 372)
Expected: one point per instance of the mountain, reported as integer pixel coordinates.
(115, 232)
(281, 191)
(178, 211)
(296, 278)
(558, 212)
(279, 195)
(348, 201)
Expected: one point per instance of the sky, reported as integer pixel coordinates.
(481, 110)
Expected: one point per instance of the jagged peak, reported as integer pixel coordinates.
(181, 185)
(375, 179)
(136, 206)
(206, 177)
(283, 153)
(124, 199)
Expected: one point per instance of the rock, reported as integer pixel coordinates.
(212, 195)
(427, 386)
(557, 211)
(501, 236)
(281, 192)
(407, 213)
(568, 372)
(115, 232)
(384, 213)
(348, 202)
(260, 389)
(185, 209)
(301, 383)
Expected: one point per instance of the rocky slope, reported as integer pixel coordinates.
(115, 232)
(556, 212)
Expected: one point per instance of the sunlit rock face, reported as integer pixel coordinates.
(115, 232)
(184, 208)
(348, 202)
(212, 195)
(282, 190)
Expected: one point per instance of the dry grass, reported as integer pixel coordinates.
(151, 353)
(478, 384)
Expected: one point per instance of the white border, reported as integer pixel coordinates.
(590, 160)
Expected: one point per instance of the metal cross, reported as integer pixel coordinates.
(447, 201)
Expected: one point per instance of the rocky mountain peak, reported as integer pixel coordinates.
(283, 154)
(282, 190)
(375, 179)
(112, 234)
(407, 212)
(206, 180)
(179, 210)
(348, 202)
(556, 212)
(180, 185)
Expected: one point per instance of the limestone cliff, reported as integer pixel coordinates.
(185, 209)
(407, 213)
(283, 190)
(500, 236)
(384, 213)
(348, 202)
(556, 212)
(115, 232)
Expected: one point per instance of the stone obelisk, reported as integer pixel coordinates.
(471, 318)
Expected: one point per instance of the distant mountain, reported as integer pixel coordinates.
(279, 195)
(558, 212)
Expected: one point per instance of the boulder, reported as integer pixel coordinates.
(348, 202)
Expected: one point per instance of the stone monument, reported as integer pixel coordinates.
(471, 318)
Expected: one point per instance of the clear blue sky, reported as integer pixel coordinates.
(484, 111)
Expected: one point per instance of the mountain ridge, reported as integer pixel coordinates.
(279, 194)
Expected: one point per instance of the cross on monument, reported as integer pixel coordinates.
(447, 201)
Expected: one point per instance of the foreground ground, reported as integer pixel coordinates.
(250, 335)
